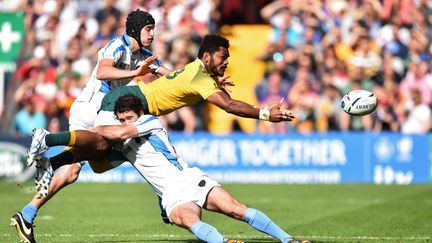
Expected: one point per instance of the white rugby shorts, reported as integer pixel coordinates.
(192, 186)
(83, 113)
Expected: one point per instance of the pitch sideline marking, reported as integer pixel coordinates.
(390, 238)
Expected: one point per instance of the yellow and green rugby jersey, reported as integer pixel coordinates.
(183, 87)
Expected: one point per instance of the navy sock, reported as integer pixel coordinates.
(263, 223)
(29, 212)
(206, 232)
(64, 158)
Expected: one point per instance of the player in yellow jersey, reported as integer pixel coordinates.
(198, 80)
(195, 82)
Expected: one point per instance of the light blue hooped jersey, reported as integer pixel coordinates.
(118, 49)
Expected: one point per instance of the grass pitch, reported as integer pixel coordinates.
(320, 213)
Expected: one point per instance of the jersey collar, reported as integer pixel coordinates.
(201, 62)
(126, 40)
(145, 51)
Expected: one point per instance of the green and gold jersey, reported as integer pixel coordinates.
(183, 87)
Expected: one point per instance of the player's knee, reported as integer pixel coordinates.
(176, 218)
(102, 144)
(97, 169)
(240, 211)
(237, 210)
(184, 218)
(100, 167)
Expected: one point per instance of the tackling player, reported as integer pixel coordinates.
(185, 191)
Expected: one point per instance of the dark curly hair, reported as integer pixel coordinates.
(211, 44)
(128, 102)
(136, 20)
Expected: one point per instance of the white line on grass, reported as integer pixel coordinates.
(390, 238)
(245, 237)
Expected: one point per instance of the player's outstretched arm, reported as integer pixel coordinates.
(275, 113)
(107, 71)
(143, 126)
(117, 132)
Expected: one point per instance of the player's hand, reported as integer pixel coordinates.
(143, 69)
(224, 83)
(278, 113)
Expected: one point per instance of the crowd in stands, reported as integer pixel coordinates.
(321, 50)
(318, 50)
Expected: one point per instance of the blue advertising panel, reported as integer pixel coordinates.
(124, 173)
(381, 158)
(296, 158)
(398, 159)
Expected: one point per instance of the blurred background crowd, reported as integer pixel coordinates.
(317, 51)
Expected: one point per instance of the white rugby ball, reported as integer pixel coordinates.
(359, 102)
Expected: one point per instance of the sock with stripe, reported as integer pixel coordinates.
(263, 223)
(61, 138)
(64, 158)
(29, 212)
(206, 232)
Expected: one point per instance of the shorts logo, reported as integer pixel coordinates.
(202, 183)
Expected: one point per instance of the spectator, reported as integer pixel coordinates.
(419, 77)
(385, 117)
(109, 10)
(364, 58)
(270, 91)
(284, 23)
(29, 117)
(302, 98)
(327, 109)
(273, 85)
(417, 116)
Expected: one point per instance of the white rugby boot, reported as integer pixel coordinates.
(37, 146)
(44, 174)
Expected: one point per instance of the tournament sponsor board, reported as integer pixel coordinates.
(381, 158)
(13, 160)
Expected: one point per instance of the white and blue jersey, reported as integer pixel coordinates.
(119, 50)
(154, 157)
(152, 154)
(84, 109)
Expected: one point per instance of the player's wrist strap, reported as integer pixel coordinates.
(155, 72)
(264, 114)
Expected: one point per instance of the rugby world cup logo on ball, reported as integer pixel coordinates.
(359, 102)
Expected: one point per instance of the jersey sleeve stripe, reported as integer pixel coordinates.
(113, 49)
(116, 51)
(105, 87)
(161, 147)
(151, 118)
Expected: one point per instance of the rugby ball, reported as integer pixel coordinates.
(359, 102)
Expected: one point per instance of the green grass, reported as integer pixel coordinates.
(320, 213)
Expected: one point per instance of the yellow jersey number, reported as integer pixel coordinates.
(174, 74)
